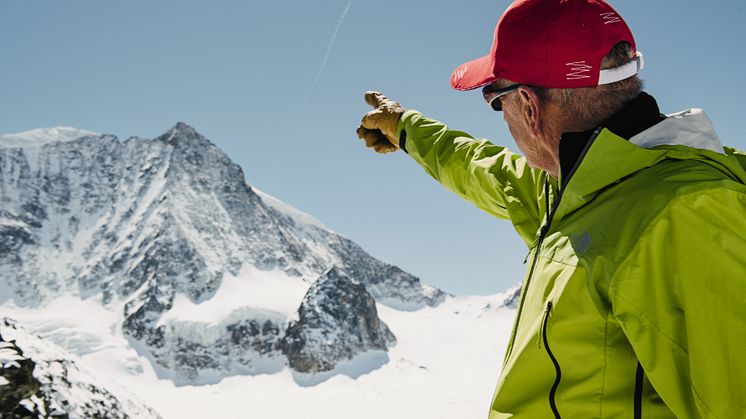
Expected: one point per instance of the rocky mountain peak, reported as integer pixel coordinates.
(337, 320)
(184, 134)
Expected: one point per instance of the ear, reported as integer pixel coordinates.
(532, 108)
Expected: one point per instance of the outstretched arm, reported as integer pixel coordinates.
(491, 177)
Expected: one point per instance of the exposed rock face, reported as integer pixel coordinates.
(336, 321)
(142, 221)
(19, 390)
(40, 380)
(513, 296)
(246, 342)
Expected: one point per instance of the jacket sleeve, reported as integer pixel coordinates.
(491, 177)
(680, 298)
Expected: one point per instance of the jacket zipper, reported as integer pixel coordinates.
(542, 233)
(638, 391)
(546, 205)
(558, 371)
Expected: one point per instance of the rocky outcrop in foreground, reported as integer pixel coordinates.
(41, 380)
(336, 321)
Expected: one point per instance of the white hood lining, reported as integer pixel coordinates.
(690, 128)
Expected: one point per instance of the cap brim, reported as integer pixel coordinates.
(474, 74)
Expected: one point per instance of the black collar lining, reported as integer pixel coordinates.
(635, 117)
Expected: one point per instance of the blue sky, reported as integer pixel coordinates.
(238, 71)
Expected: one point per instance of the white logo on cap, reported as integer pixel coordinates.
(610, 17)
(578, 70)
(460, 73)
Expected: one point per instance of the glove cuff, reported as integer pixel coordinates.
(401, 128)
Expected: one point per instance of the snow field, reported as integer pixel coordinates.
(444, 365)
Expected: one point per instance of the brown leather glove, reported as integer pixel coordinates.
(378, 127)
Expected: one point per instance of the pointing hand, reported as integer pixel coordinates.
(378, 127)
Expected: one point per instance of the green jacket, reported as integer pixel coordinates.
(634, 303)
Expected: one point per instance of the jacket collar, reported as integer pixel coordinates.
(636, 116)
(608, 156)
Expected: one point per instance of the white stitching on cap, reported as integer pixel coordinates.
(610, 17)
(460, 73)
(577, 70)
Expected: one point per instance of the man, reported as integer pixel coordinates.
(634, 303)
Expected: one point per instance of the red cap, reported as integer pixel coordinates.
(550, 43)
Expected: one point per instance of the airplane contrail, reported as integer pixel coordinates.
(328, 51)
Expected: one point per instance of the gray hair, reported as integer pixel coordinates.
(586, 107)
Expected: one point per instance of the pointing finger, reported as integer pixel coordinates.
(374, 98)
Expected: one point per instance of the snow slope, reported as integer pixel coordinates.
(445, 365)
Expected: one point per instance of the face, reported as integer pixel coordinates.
(522, 111)
(510, 107)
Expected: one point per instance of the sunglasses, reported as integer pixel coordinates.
(492, 95)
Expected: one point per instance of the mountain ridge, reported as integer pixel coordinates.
(41, 136)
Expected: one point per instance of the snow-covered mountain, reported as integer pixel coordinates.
(154, 222)
(155, 264)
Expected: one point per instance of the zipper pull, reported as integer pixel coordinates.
(542, 231)
(539, 341)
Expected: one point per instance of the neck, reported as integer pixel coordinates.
(550, 140)
(636, 116)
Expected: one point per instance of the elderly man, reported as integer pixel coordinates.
(634, 303)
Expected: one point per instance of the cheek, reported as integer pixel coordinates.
(511, 114)
(508, 118)
(516, 129)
